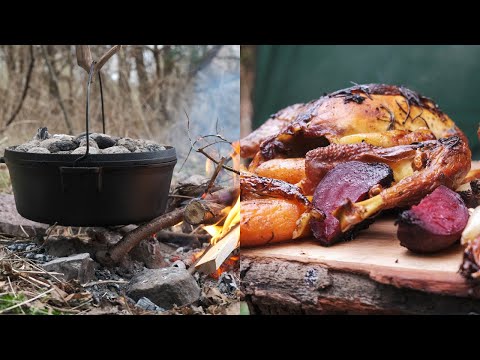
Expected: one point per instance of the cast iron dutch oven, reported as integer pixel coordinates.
(93, 189)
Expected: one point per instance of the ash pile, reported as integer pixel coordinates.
(45, 143)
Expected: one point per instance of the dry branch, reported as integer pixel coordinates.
(134, 237)
(85, 59)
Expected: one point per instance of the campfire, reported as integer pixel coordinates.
(225, 232)
(151, 245)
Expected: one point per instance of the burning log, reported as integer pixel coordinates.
(218, 253)
(134, 237)
(203, 212)
(224, 196)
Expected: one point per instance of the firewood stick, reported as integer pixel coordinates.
(134, 237)
(214, 257)
(203, 212)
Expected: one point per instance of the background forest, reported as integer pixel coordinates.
(147, 91)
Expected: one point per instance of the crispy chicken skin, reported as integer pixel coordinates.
(251, 143)
(361, 109)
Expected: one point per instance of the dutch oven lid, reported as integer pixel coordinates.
(130, 159)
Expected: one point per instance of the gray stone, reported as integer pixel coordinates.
(80, 267)
(11, 222)
(63, 137)
(83, 149)
(128, 143)
(165, 287)
(103, 235)
(153, 146)
(150, 253)
(93, 143)
(47, 142)
(116, 150)
(103, 141)
(61, 246)
(38, 150)
(27, 146)
(179, 264)
(147, 304)
(55, 145)
(148, 145)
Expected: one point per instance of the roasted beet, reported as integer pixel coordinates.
(350, 180)
(435, 223)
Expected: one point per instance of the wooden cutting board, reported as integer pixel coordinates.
(377, 253)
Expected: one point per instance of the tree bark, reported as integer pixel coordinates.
(56, 91)
(143, 81)
(277, 286)
(25, 88)
(247, 81)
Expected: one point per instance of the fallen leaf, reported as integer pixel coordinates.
(233, 309)
(213, 296)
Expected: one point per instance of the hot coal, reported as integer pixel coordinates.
(435, 223)
(351, 180)
(44, 143)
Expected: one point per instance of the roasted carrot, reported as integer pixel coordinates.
(289, 170)
(266, 221)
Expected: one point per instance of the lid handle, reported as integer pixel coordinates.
(87, 110)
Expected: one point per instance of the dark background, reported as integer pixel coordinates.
(449, 74)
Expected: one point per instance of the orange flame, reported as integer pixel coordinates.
(232, 213)
(232, 216)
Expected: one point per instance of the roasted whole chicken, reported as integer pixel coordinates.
(371, 124)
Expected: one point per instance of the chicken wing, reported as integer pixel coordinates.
(250, 145)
